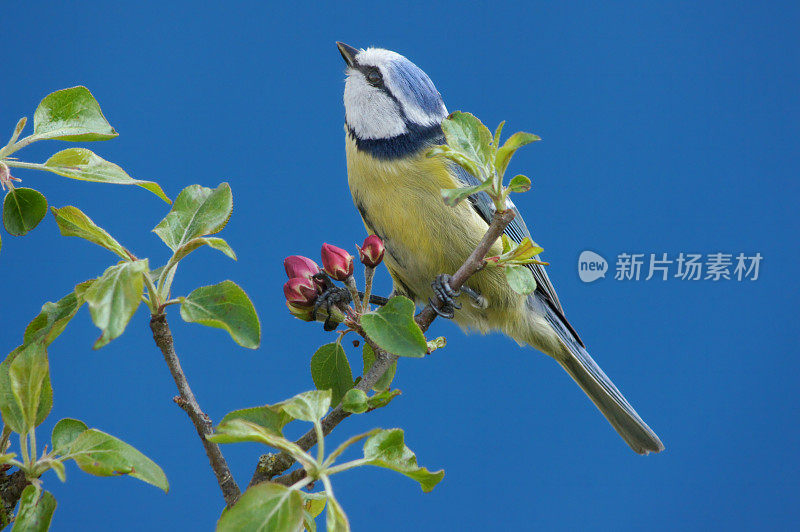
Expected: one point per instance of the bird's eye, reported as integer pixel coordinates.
(374, 78)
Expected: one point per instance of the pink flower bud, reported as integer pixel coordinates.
(301, 313)
(337, 262)
(371, 251)
(298, 266)
(301, 292)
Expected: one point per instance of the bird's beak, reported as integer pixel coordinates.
(348, 53)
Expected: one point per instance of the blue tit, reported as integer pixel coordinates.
(393, 115)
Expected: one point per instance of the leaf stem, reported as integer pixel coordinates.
(302, 483)
(29, 166)
(32, 434)
(320, 442)
(23, 446)
(347, 465)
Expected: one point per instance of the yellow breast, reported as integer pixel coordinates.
(400, 201)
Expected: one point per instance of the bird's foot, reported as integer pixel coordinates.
(332, 297)
(446, 296)
(478, 301)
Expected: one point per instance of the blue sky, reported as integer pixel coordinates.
(666, 128)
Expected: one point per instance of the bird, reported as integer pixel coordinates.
(393, 117)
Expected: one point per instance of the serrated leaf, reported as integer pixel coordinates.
(114, 298)
(265, 507)
(387, 449)
(393, 328)
(103, 455)
(23, 209)
(29, 377)
(368, 357)
(35, 511)
(308, 406)
(520, 279)
(454, 196)
(85, 165)
(52, 319)
(519, 183)
(514, 142)
(13, 415)
(65, 432)
(212, 242)
(271, 418)
(224, 306)
(330, 370)
(457, 157)
(467, 135)
(73, 222)
(197, 211)
(355, 401)
(71, 114)
(239, 430)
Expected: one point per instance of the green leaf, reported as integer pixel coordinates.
(272, 418)
(197, 211)
(71, 114)
(387, 449)
(313, 505)
(23, 209)
(330, 370)
(73, 222)
(239, 430)
(457, 157)
(265, 507)
(114, 298)
(212, 242)
(368, 356)
(335, 518)
(497, 132)
(355, 401)
(35, 512)
(65, 432)
(519, 183)
(526, 250)
(52, 319)
(453, 196)
(85, 165)
(520, 279)
(103, 455)
(29, 376)
(224, 306)
(381, 399)
(308, 406)
(467, 135)
(13, 415)
(514, 142)
(393, 328)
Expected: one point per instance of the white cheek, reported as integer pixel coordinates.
(369, 111)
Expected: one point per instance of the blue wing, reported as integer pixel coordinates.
(516, 231)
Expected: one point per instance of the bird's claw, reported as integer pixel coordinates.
(333, 296)
(446, 295)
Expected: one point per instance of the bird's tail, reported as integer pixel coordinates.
(601, 390)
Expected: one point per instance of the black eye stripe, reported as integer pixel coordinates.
(372, 75)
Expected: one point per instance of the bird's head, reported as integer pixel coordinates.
(386, 95)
